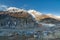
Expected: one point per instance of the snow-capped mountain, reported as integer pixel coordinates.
(17, 12)
(15, 20)
(31, 16)
(36, 14)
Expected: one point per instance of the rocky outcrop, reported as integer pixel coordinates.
(17, 20)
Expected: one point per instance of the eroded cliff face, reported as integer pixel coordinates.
(17, 20)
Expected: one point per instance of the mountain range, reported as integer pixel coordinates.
(20, 19)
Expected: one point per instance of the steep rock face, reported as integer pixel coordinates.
(17, 20)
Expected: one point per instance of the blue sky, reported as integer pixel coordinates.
(44, 6)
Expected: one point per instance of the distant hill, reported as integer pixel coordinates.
(50, 20)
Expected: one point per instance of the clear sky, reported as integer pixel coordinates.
(44, 6)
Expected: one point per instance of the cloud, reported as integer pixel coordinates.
(3, 7)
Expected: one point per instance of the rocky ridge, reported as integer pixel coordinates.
(14, 19)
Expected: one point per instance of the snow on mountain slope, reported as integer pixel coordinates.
(39, 15)
(35, 14)
(53, 16)
(14, 9)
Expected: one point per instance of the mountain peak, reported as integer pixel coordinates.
(14, 9)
